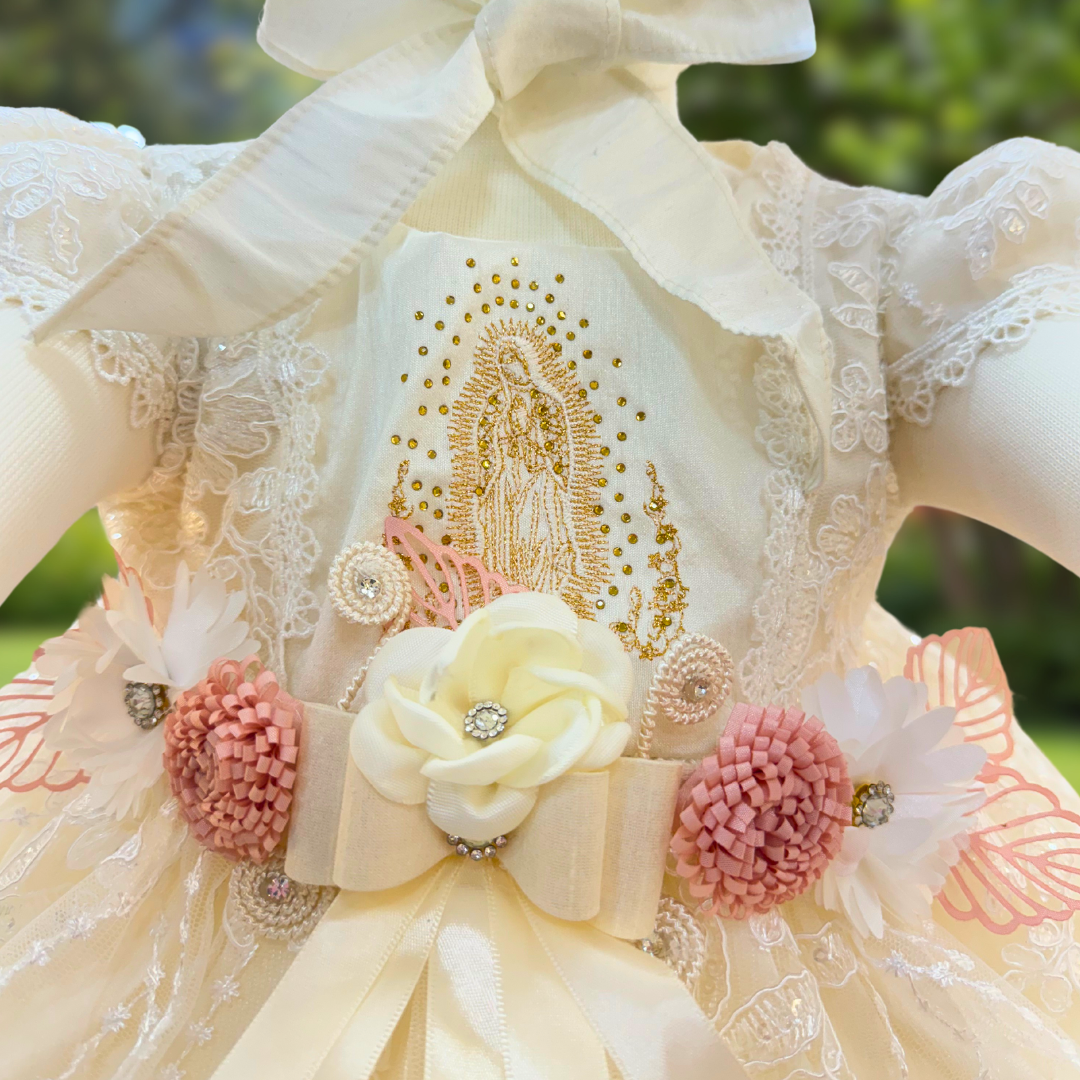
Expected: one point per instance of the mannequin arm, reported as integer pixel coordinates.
(66, 443)
(1005, 448)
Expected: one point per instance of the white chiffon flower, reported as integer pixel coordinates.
(889, 737)
(116, 675)
(559, 684)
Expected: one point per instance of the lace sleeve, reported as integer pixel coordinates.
(994, 250)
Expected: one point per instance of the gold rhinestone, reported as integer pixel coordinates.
(587, 354)
(422, 350)
(404, 378)
(621, 436)
(616, 552)
(515, 284)
(616, 362)
(602, 481)
(443, 587)
(626, 518)
(597, 509)
(583, 323)
(570, 335)
(423, 504)
(419, 316)
(632, 538)
(417, 485)
(605, 529)
(641, 416)
(477, 287)
(551, 329)
(558, 467)
(495, 279)
(478, 490)
(559, 278)
(619, 496)
(666, 620)
(440, 325)
(530, 306)
(499, 301)
(436, 491)
(561, 314)
(572, 365)
(513, 302)
(583, 393)
(493, 399)
(443, 410)
(597, 418)
(457, 341)
(485, 308)
(485, 463)
(395, 439)
(622, 401)
(427, 383)
(594, 385)
(620, 467)
(447, 539)
(540, 320)
(605, 450)
(451, 300)
(613, 590)
(431, 454)
(446, 380)
(621, 627)
(600, 605)
(470, 263)
(446, 363)
(653, 504)
(550, 298)
(549, 445)
(513, 260)
(468, 316)
(412, 444)
(534, 286)
(628, 569)
(438, 513)
(422, 410)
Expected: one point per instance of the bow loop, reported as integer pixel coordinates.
(519, 38)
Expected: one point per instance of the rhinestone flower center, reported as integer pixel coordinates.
(696, 688)
(368, 587)
(147, 703)
(873, 805)
(485, 720)
(276, 886)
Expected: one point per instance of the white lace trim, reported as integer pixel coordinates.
(948, 357)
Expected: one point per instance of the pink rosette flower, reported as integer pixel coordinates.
(230, 752)
(762, 818)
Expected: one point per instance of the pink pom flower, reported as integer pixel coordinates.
(762, 818)
(230, 752)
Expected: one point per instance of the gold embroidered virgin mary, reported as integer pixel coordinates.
(526, 465)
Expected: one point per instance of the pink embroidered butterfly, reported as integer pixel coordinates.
(1022, 867)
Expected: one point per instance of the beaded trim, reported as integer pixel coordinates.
(370, 586)
(274, 904)
(689, 685)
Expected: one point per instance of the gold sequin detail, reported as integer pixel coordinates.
(399, 504)
(669, 597)
(530, 514)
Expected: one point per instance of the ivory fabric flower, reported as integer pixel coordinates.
(915, 785)
(475, 720)
(116, 676)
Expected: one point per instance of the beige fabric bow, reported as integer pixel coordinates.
(412, 80)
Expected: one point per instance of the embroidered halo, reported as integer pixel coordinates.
(369, 585)
(230, 752)
(762, 818)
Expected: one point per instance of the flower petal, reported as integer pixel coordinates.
(568, 728)
(389, 763)
(607, 661)
(486, 765)
(421, 726)
(478, 814)
(509, 647)
(606, 747)
(529, 683)
(407, 657)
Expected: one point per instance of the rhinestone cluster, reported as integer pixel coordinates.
(873, 805)
(370, 586)
(477, 852)
(274, 904)
(147, 703)
(485, 720)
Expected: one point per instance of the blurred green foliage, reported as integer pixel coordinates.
(898, 94)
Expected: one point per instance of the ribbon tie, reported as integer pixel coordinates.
(409, 82)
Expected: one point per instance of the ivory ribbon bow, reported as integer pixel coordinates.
(504, 974)
(409, 83)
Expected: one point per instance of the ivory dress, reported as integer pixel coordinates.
(713, 384)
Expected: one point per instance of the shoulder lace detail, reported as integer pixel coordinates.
(780, 214)
(948, 357)
(236, 478)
